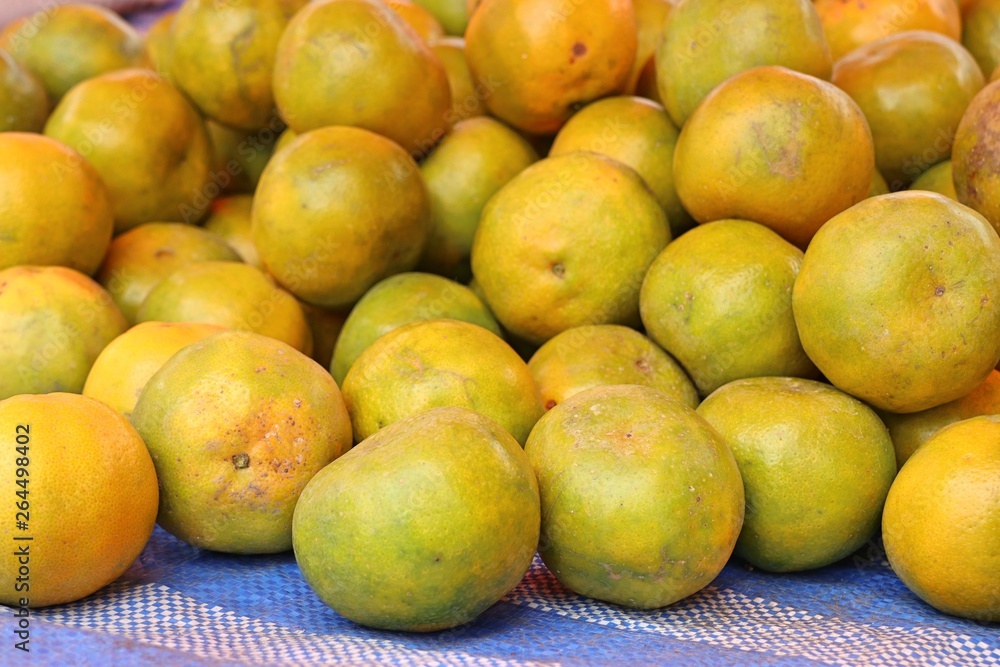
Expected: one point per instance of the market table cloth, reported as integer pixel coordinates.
(179, 605)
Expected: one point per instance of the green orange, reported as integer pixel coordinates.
(337, 210)
(237, 424)
(54, 322)
(912, 332)
(231, 295)
(913, 88)
(775, 146)
(399, 300)
(436, 363)
(566, 243)
(357, 62)
(706, 42)
(54, 207)
(477, 158)
(25, 103)
(642, 501)
(421, 527)
(138, 260)
(941, 526)
(585, 357)
(719, 299)
(816, 467)
(636, 132)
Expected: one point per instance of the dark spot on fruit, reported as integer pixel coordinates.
(558, 269)
(697, 499)
(628, 435)
(259, 369)
(579, 49)
(437, 559)
(549, 404)
(643, 366)
(241, 461)
(164, 252)
(939, 290)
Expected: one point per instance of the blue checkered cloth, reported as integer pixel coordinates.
(179, 605)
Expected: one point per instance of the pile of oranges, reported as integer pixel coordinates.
(419, 288)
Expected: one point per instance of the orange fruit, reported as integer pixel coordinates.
(54, 322)
(287, 136)
(159, 44)
(981, 33)
(937, 179)
(65, 44)
(88, 496)
(708, 41)
(777, 147)
(453, 15)
(941, 524)
(141, 258)
(477, 158)
(222, 58)
(912, 430)
(399, 300)
(229, 218)
(69, 225)
(641, 499)
(545, 62)
(435, 363)
(24, 101)
(466, 95)
(337, 210)
(387, 81)
(912, 332)
(375, 531)
(585, 357)
(719, 299)
(418, 18)
(154, 157)
(566, 243)
(237, 424)
(816, 467)
(651, 21)
(231, 295)
(849, 24)
(913, 88)
(122, 368)
(639, 134)
(976, 155)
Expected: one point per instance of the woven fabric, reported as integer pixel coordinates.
(178, 605)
